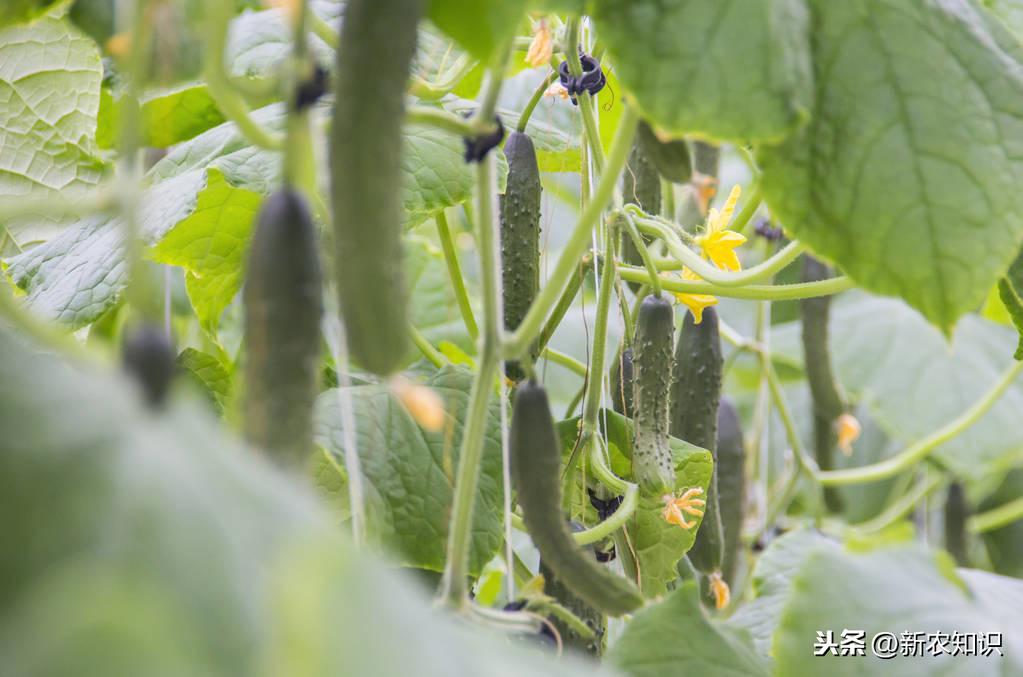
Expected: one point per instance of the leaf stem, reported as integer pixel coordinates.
(538, 93)
(749, 209)
(447, 245)
(566, 361)
(770, 292)
(446, 121)
(903, 505)
(426, 348)
(996, 518)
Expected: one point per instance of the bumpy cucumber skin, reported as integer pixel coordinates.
(731, 477)
(695, 397)
(520, 235)
(283, 307)
(536, 474)
(378, 42)
(828, 404)
(622, 379)
(956, 513)
(641, 186)
(671, 158)
(652, 464)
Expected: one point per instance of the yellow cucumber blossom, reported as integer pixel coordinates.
(704, 188)
(695, 302)
(717, 242)
(722, 593)
(542, 46)
(687, 503)
(848, 430)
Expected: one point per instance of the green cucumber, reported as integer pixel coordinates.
(148, 356)
(706, 158)
(283, 299)
(731, 474)
(520, 236)
(671, 158)
(828, 403)
(641, 186)
(695, 397)
(621, 382)
(956, 513)
(536, 474)
(377, 44)
(652, 463)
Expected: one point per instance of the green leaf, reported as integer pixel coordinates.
(480, 27)
(169, 116)
(410, 471)
(152, 544)
(737, 70)
(1010, 292)
(1010, 12)
(902, 588)
(908, 175)
(211, 245)
(433, 306)
(20, 11)
(209, 373)
(772, 581)
(674, 637)
(913, 381)
(49, 98)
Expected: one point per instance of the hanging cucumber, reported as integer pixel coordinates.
(641, 186)
(378, 41)
(652, 464)
(828, 403)
(956, 513)
(670, 158)
(283, 305)
(695, 396)
(621, 382)
(536, 473)
(148, 356)
(731, 488)
(520, 235)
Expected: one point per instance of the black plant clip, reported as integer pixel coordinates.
(312, 87)
(477, 148)
(766, 230)
(592, 80)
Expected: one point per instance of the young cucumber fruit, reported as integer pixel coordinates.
(283, 306)
(695, 396)
(520, 234)
(641, 186)
(671, 158)
(378, 41)
(731, 488)
(652, 464)
(536, 474)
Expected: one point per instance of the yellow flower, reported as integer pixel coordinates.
(704, 189)
(722, 593)
(542, 46)
(717, 242)
(848, 430)
(422, 402)
(557, 90)
(674, 507)
(695, 302)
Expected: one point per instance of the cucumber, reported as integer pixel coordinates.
(695, 397)
(378, 41)
(652, 463)
(536, 474)
(621, 382)
(731, 473)
(827, 401)
(520, 236)
(641, 186)
(148, 356)
(283, 306)
(671, 158)
(956, 513)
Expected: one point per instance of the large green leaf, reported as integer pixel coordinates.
(169, 115)
(433, 306)
(479, 26)
(409, 471)
(1010, 12)
(908, 176)
(151, 544)
(902, 588)
(732, 69)
(49, 99)
(913, 381)
(19, 11)
(675, 637)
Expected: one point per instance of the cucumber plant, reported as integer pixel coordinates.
(334, 209)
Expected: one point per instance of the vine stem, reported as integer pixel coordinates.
(752, 204)
(709, 273)
(538, 93)
(598, 532)
(923, 448)
(454, 584)
(903, 505)
(566, 361)
(584, 99)
(644, 253)
(426, 348)
(518, 343)
(769, 292)
(1005, 514)
(447, 245)
(438, 118)
(595, 383)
